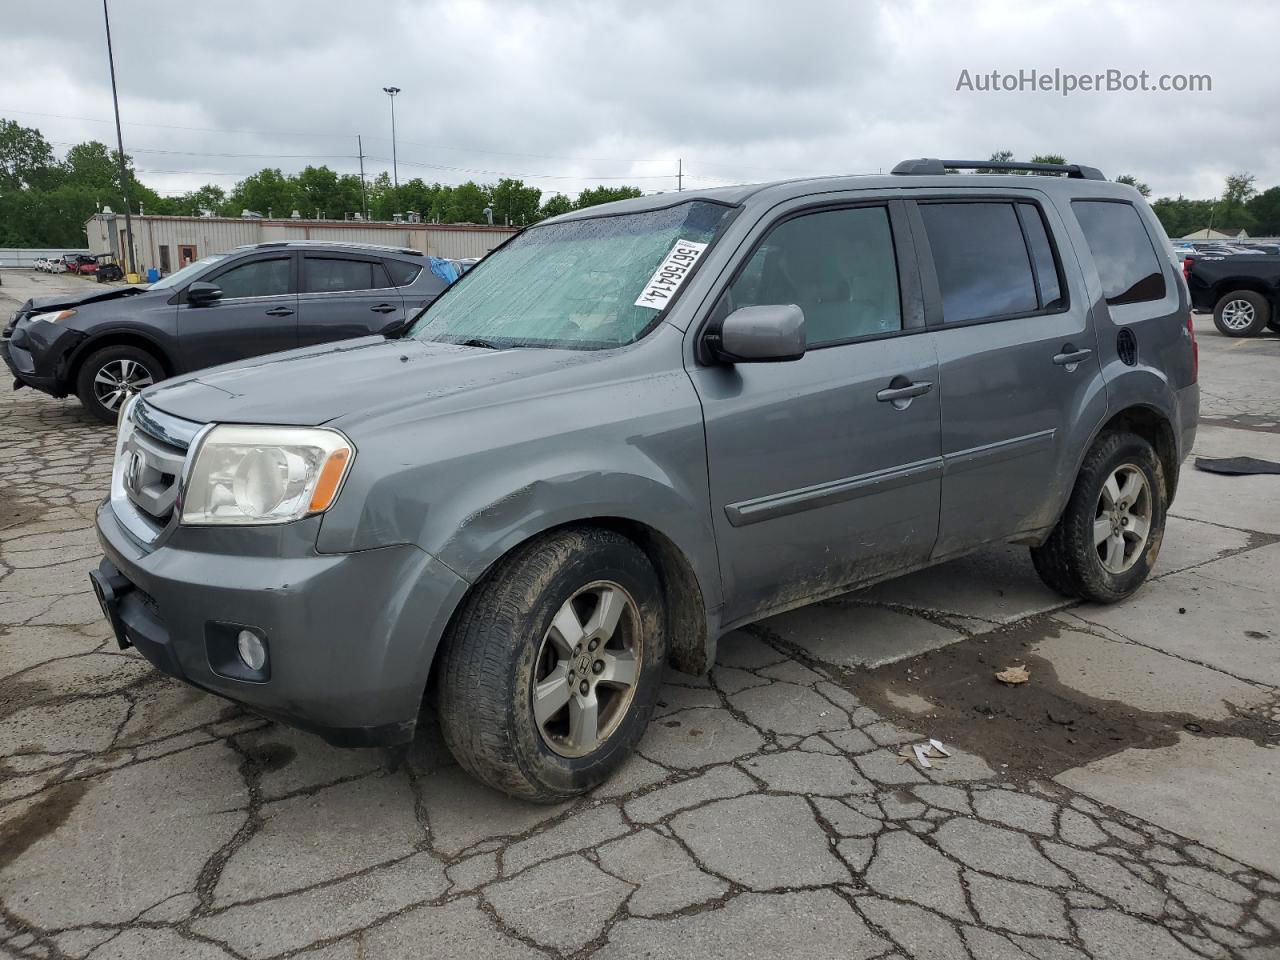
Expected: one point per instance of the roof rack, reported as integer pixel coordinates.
(338, 243)
(929, 167)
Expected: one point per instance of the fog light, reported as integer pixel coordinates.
(252, 650)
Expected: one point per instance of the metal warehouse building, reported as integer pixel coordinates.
(167, 243)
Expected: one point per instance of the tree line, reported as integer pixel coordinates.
(44, 202)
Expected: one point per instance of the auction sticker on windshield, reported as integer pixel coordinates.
(673, 271)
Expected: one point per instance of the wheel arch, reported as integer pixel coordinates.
(1154, 427)
(690, 645)
(1224, 288)
(116, 338)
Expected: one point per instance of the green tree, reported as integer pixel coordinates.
(1134, 182)
(1049, 158)
(514, 203)
(1232, 212)
(1264, 208)
(93, 164)
(555, 205)
(602, 194)
(466, 204)
(26, 159)
(268, 192)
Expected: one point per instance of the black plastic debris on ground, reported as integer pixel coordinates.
(1237, 466)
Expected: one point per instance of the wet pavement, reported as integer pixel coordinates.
(1121, 804)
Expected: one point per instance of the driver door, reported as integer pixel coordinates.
(257, 313)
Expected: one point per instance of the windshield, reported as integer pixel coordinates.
(582, 284)
(188, 272)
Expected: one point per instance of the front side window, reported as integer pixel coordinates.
(837, 266)
(1122, 251)
(981, 260)
(584, 284)
(334, 274)
(258, 278)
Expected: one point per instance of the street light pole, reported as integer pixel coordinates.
(124, 171)
(395, 170)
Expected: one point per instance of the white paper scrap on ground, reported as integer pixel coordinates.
(671, 273)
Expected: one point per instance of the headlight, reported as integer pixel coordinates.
(57, 316)
(258, 474)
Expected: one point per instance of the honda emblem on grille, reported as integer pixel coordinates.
(133, 471)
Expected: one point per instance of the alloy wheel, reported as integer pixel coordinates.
(119, 380)
(1122, 521)
(1237, 315)
(587, 668)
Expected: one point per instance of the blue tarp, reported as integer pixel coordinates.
(446, 270)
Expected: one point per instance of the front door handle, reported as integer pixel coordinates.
(891, 394)
(384, 308)
(1070, 356)
(279, 312)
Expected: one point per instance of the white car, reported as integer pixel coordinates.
(41, 264)
(56, 265)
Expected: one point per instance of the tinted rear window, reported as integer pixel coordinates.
(1126, 261)
(333, 275)
(983, 267)
(402, 274)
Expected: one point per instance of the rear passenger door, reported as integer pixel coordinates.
(256, 314)
(824, 471)
(1017, 361)
(343, 296)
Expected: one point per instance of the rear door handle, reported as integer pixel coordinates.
(909, 392)
(1070, 355)
(384, 308)
(279, 312)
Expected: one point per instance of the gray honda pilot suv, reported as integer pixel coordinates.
(636, 427)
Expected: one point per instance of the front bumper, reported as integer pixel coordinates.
(39, 354)
(350, 637)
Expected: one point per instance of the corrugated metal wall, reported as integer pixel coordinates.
(217, 235)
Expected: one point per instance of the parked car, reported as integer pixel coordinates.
(107, 268)
(257, 299)
(85, 265)
(56, 265)
(40, 264)
(1242, 291)
(636, 427)
(69, 261)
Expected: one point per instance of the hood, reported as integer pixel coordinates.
(68, 300)
(352, 379)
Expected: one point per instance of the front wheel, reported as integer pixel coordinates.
(1109, 536)
(1241, 313)
(550, 673)
(111, 375)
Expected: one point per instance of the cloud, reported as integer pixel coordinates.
(566, 94)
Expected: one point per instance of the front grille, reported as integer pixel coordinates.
(151, 467)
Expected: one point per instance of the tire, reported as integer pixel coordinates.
(1072, 561)
(121, 362)
(502, 649)
(1241, 313)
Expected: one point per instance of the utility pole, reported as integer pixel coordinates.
(124, 167)
(364, 196)
(395, 171)
(680, 175)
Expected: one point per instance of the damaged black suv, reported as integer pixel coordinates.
(264, 298)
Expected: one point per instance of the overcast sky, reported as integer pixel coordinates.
(569, 94)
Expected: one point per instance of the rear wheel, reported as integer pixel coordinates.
(1109, 536)
(1241, 313)
(111, 375)
(549, 675)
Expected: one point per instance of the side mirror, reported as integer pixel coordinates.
(764, 334)
(199, 294)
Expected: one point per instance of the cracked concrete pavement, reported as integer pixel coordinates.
(1120, 805)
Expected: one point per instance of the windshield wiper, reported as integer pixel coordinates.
(477, 342)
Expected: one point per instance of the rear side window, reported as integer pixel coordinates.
(333, 275)
(1122, 251)
(984, 270)
(258, 278)
(838, 266)
(402, 274)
